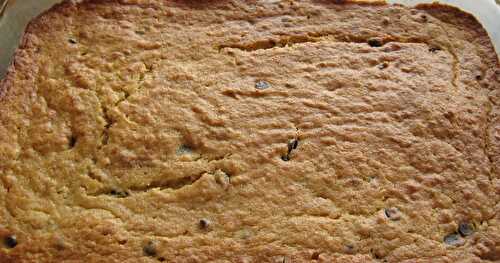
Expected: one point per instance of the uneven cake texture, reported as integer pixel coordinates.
(251, 131)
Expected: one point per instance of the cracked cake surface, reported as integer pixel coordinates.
(250, 131)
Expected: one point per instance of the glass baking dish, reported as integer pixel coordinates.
(15, 15)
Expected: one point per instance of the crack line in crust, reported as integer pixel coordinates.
(173, 184)
(450, 50)
(489, 106)
(161, 183)
(107, 126)
(108, 120)
(312, 37)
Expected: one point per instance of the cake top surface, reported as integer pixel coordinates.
(250, 131)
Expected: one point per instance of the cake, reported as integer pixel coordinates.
(251, 131)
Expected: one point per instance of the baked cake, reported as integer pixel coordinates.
(251, 131)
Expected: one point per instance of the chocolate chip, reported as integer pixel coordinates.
(72, 141)
(149, 249)
(375, 42)
(385, 21)
(10, 241)
(449, 115)
(261, 85)
(434, 49)
(465, 229)
(453, 239)
(118, 193)
(392, 213)
(59, 243)
(315, 255)
(349, 249)
(292, 145)
(383, 65)
(72, 41)
(184, 149)
(204, 223)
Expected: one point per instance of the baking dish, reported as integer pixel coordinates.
(16, 14)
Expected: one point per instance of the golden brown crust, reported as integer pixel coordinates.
(251, 131)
